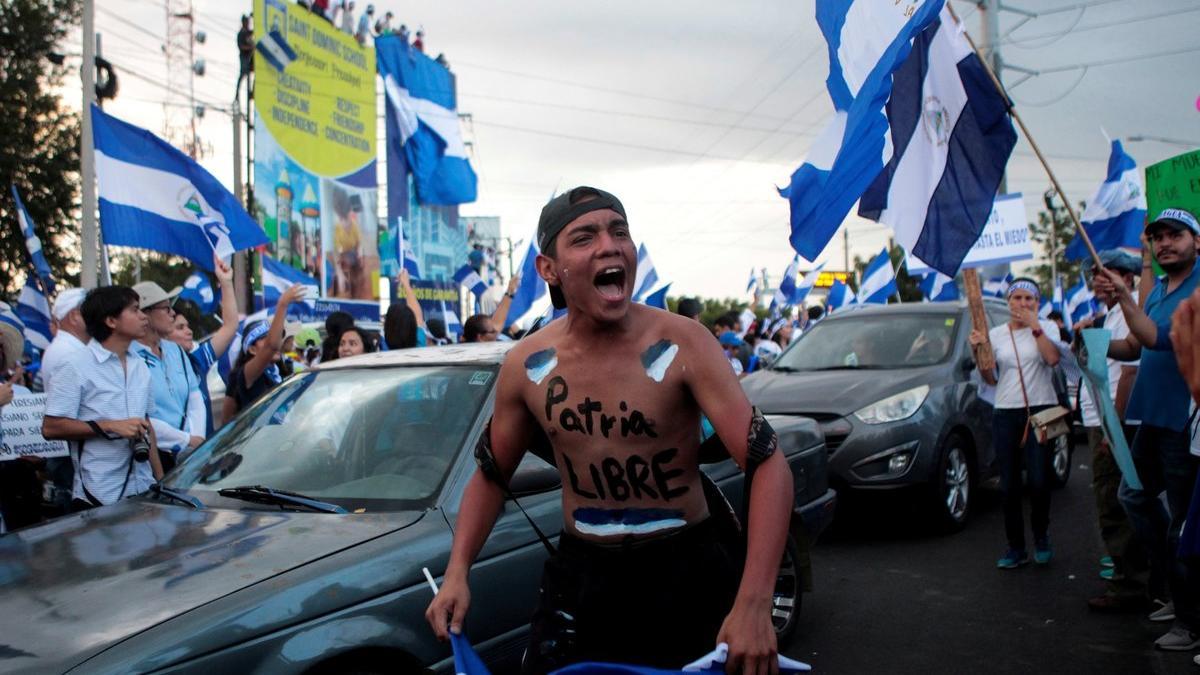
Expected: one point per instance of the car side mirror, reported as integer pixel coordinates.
(534, 476)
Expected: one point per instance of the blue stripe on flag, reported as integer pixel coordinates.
(531, 288)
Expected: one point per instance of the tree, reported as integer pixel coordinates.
(1053, 246)
(39, 139)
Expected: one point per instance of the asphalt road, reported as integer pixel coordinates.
(889, 596)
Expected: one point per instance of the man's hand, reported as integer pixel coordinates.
(1081, 324)
(1108, 281)
(130, 428)
(223, 270)
(1185, 338)
(449, 607)
(514, 283)
(751, 638)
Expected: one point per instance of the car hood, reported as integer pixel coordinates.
(83, 583)
(836, 392)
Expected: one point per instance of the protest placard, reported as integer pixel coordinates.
(22, 423)
(1174, 183)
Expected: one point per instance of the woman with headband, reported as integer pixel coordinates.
(1025, 359)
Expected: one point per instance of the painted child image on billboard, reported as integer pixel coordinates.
(351, 238)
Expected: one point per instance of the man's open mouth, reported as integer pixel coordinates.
(610, 281)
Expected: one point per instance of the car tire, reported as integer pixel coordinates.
(1061, 454)
(953, 485)
(788, 595)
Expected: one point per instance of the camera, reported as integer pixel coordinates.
(140, 447)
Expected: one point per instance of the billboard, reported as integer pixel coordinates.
(314, 151)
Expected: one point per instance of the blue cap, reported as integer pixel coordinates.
(730, 339)
(1176, 218)
(1120, 261)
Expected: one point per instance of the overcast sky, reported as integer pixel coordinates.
(693, 112)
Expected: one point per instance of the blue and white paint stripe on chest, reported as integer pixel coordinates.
(539, 365)
(657, 358)
(619, 522)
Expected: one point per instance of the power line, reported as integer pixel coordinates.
(1098, 26)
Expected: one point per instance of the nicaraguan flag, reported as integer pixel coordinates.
(408, 259)
(840, 296)
(806, 284)
(868, 40)
(647, 276)
(878, 281)
(1116, 215)
(1044, 309)
(786, 293)
(275, 49)
(937, 287)
(469, 278)
(997, 286)
(421, 94)
(198, 289)
(33, 244)
(277, 277)
(450, 320)
(1079, 303)
(753, 283)
(658, 298)
(466, 661)
(952, 137)
(34, 311)
(155, 197)
(529, 291)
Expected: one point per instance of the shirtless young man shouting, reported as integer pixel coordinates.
(643, 574)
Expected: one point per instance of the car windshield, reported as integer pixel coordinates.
(369, 438)
(872, 341)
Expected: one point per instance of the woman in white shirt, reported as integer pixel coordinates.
(1022, 390)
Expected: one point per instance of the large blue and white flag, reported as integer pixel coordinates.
(531, 289)
(878, 281)
(34, 311)
(647, 277)
(421, 96)
(659, 297)
(467, 277)
(785, 295)
(198, 290)
(937, 287)
(277, 277)
(1116, 215)
(867, 40)
(276, 50)
(1079, 303)
(33, 244)
(952, 137)
(806, 285)
(996, 287)
(840, 295)
(155, 197)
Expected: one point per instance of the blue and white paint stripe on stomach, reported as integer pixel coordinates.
(657, 358)
(539, 365)
(618, 522)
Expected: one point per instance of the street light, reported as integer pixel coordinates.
(1140, 138)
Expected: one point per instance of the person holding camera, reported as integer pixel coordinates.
(102, 401)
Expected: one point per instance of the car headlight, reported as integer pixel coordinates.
(894, 408)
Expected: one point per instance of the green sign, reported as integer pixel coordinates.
(1174, 183)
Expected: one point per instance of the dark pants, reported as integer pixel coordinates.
(1008, 425)
(1131, 570)
(1163, 464)
(658, 603)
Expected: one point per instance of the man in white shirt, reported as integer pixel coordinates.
(101, 401)
(1126, 581)
(71, 336)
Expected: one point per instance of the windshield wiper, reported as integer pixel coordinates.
(261, 494)
(164, 491)
(785, 369)
(845, 367)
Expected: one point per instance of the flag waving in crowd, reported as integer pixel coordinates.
(878, 281)
(32, 244)
(1116, 214)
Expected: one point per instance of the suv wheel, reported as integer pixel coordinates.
(1060, 460)
(953, 485)
(785, 603)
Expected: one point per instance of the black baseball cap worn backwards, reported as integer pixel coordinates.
(560, 211)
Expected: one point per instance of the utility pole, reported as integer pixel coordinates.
(87, 169)
(846, 247)
(241, 274)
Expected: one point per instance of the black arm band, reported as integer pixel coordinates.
(762, 440)
(486, 459)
